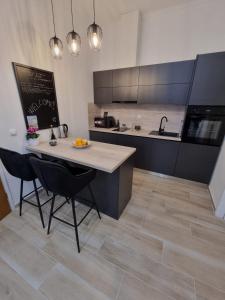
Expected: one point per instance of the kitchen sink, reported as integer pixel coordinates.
(164, 133)
(121, 129)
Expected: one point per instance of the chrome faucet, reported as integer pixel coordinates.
(161, 129)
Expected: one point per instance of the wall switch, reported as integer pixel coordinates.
(13, 132)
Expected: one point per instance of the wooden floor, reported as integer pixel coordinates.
(167, 245)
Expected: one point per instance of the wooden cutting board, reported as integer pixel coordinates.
(4, 204)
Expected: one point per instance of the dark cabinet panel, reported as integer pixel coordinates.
(125, 93)
(161, 156)
(167, 73)
(125, 77)
(152, 154)
(163, 94)
(208, 85)
(102, 95)
(135, 142)
(103, 137)
(196, 162)
(102, 79)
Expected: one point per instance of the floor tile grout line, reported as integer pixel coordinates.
(120, 286)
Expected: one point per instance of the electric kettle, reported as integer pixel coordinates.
(63, 131)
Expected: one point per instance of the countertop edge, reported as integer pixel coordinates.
(136, 134)
(35, 150)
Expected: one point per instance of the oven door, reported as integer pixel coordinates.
(207, 130)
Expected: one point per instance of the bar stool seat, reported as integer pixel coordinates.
(18, 165)
(65, 182)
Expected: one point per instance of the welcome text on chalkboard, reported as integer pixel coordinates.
(37, 94)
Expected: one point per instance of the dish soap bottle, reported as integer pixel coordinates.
(53, 140)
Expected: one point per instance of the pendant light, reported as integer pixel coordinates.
(73, 38)
(94, 34)
(55, 43)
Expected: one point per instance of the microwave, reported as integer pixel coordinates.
(104, 122)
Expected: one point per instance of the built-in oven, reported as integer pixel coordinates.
(204, 125)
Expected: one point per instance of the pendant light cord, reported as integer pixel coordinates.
(53, 17)
(94, 10)
(72, 14)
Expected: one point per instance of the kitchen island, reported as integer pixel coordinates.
(114, 164)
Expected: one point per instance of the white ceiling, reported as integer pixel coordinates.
(107, 9)
(124, 6)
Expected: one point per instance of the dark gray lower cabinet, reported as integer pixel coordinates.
(196, 162)
(189, 161)
(151, 154)
(103, 137)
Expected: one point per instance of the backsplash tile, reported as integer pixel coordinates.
(148, 116)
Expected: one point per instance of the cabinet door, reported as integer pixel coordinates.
(125, 94)
(125, 77)
(196, 162)
(161, 156)
(163, 94)
(102, 95)
(152, 154)
(208, 85)
(167, 73)
(102, 79)
(103, 137)
(135, 142)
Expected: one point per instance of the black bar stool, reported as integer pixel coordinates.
(18, 165)
(65, 182)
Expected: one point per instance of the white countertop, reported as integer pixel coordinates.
(141, 133)
(100, 156)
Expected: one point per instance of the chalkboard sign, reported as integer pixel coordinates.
(38, 97)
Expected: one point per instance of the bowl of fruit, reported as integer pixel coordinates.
(80, 143)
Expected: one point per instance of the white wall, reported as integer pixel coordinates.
(26, 27)
(171, 34)
(217, 184)
(181, 32)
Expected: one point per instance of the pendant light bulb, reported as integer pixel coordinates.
(94, 34)
(73, 39)
(74, 43)
(55, 43)
(56, 47)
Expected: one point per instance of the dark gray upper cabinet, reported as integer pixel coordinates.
(102, 87)
(125, 94)
(209, 80)
(125, 77)
(167, 73)
(176, 94)
(102, 79)
(103, 95)
(196, 162)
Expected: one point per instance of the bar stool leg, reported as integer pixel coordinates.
(51, 214)
(38, 202)
(21, 196)
(75, 224)
(94, 201)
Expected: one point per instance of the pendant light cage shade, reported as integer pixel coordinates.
(74, 43)
(56, 47)
(95, 36)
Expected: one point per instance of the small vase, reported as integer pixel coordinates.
(33, 142)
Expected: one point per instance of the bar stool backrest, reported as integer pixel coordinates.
(57, 179)
(17, 164)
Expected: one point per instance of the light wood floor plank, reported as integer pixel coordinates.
(28, 261)
(205, 292)
(172, 283)
(13, 287)
(167, 245)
